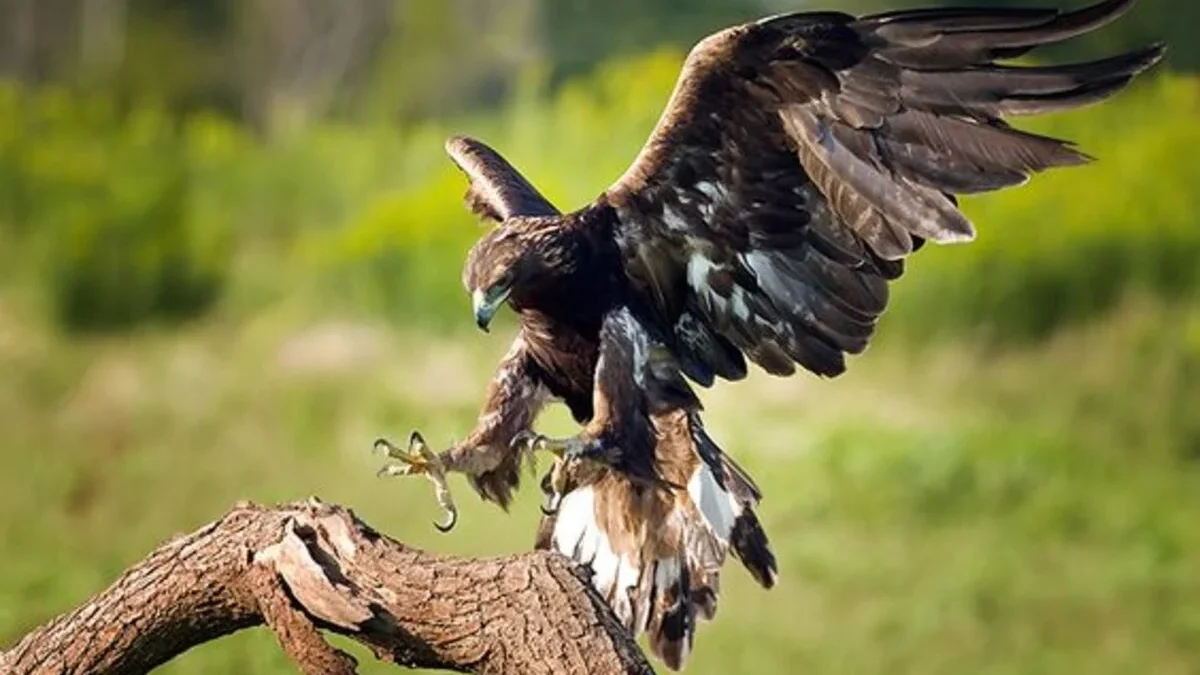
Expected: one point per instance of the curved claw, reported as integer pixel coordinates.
(385, 447)
(451, 521)
(526, 440)
(387, 471)
(421, 459)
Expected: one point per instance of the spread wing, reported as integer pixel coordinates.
(497, 190)
(803, 157)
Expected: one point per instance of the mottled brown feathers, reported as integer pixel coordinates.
(807, 155)
(798, 164)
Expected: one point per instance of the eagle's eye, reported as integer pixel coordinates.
(503, 283)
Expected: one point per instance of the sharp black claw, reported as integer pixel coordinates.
(523, 438)
(451, 521)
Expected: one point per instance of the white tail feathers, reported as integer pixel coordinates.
(718, 507)
(660, 573)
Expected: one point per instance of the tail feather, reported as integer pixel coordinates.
(750, 546)
(656, 555)
(672, 626)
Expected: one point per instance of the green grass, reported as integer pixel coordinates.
(935, 511)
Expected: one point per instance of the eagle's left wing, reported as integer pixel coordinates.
(497, 191)
(803, 157)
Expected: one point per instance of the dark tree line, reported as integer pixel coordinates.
(277, 62)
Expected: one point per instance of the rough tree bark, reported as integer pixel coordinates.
(307, 567)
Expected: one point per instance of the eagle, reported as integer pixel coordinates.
(800, 160)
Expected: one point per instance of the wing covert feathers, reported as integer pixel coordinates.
(802, 158)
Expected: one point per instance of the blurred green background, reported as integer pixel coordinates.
(230, 248)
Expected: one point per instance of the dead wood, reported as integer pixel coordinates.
(309, 567)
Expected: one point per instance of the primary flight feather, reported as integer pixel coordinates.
(800, 160)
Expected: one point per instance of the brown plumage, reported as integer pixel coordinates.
(800, 160)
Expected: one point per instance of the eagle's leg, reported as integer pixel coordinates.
(513, 399)
(566, 452)
(528, 442)
(620, 434)
(420, 459)
(554, 487)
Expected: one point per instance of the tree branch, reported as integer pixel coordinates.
(307, 567)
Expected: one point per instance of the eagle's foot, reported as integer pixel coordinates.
(419, 459)
(565, 449)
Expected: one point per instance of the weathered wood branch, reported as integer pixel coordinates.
(309, 567)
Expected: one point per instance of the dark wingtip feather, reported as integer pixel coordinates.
(704, 601)
(1067, 26)
(1149, 56)
(1088, 92)
(673, 624)
(751, 546)
(1092, 17)
(953, 38)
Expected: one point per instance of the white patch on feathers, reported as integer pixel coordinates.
(705, 196)
(673, 220)
(714, 191)
(698, 269)
(719, 508)
(667, 575)
(638, 341)
(617, 577)
(628, 575)
(667, 572)
(740, 309)
(576, 514)
(578, 536)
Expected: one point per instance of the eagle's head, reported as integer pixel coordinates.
(508, 263)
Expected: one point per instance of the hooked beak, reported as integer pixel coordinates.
(485, 307)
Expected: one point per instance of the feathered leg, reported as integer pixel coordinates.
(488, 456)
(636, 376)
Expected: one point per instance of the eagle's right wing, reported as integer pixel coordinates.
(803, 157)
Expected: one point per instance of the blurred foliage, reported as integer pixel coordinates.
(281, 63)
(110, 204)
(581, 33)
(136, 214)
(1068, 245)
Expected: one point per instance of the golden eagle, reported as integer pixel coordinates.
(800, 160)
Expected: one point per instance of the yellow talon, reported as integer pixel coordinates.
(420, 459)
